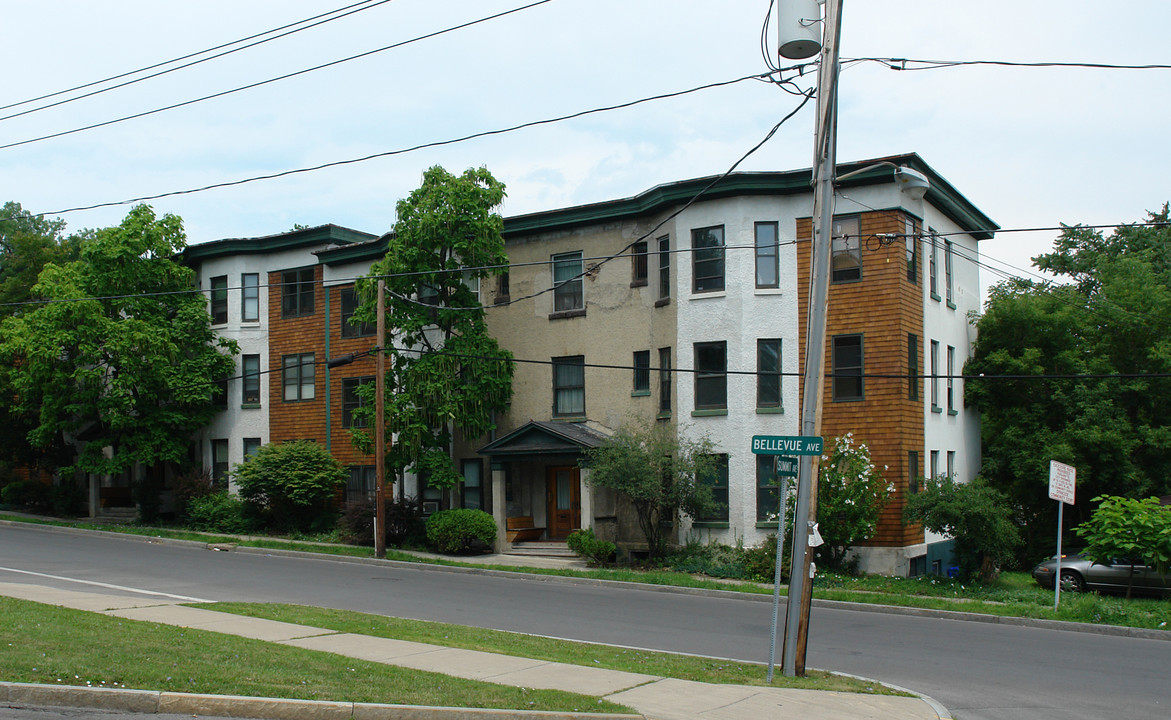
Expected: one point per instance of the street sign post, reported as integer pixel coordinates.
(1062, 482)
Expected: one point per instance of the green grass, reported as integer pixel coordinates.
(58, 646)
(684, 667)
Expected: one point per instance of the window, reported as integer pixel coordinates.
(768, 373)
(951, 464)
(913, 471)
(297, 292)
(361, 483)
(912, 232)
(219, 300)
(431, 496)
(472, 492)
(351, 401)
(846, 250)
(219, 462)
(707, 259)
(567, 282)
(219, 396)
(912, 366)
(947, 276)
(250, 297)
(298, 377)
(502, 289)
(933, 265)
(638, 263)
(935, 375)
(848, 383)
(642, 372)
(251, 447)
(664, 267)
(251, 380)
(768, 490)
(951, 359)
(665, 380)
(934, 464)
(569, 386)
(472, 282)
(717, 480)
(350, 303)
(711, 379)
(767, 265)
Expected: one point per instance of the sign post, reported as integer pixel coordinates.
(785, 448)
(1062, 479)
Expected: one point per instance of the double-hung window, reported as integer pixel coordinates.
(569, 386)
(717, 481)
(951, 360)
(711, 376)
(299, 377)
(935, 375)
(352, 400)
(642, 372)
(707, 259)
(360, 484)
(638, 264)
(933, 264)
(251, 380)
(219, 462)
(567, 282)
(947, 273)
(768, 373)
(846, 250)
(767, 265)
(768, 490)
(847, 357)
(912, 366)
(472, 490)
(297, 292)
(350, 303)
(250, 297)
(664, 267)
(219, 300)
(912, 233)
(665, 380)
(251, 447)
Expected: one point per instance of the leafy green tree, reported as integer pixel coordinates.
(446, 373)
(659, 474)
(121, 354)
(290, 483)
(1137, 530)
(1101, 336)
(851, 493)
(975, 515)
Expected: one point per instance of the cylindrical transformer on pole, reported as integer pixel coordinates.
(798, 28)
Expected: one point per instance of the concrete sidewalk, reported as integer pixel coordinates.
(656, 698)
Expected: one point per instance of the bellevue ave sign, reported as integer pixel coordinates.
(786, 445)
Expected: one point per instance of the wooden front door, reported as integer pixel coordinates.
(563, 495)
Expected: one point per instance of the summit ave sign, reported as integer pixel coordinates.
(786, 445)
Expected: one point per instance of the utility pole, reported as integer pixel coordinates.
(825, 151)
(380, 427)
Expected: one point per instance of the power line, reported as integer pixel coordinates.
(369, 4)
(403, 151)
(272, 80)
(908, 64)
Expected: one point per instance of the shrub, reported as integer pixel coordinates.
(194, 483)
(712, 559)
(218, 512)
(291, 484)
(851, 493)
(67, 499)
(461, 531)
(28, 494)
(760, 563)
(595, 550)
(405, 524)
(976, 515)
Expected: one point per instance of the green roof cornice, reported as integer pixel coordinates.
(292, 240)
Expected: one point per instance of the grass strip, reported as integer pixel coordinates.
(683, 667)
(60, 646)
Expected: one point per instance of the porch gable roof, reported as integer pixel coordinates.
(545, 438)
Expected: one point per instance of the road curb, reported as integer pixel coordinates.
(150, 702)
(1063, 625)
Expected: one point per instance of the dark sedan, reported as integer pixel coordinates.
(1079, 573)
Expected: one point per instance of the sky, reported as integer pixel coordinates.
(1030, 147)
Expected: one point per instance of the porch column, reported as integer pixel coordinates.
(94, 494)
(587, 500)
(499, 509)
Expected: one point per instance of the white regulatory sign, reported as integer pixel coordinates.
(1062, 478)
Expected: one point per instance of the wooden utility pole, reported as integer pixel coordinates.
(825, 158)
(380, 428)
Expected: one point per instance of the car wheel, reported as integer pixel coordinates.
(1071, 581)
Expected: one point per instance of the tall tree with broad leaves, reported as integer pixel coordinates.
(446, 373)
(120, 357)
(1091, 347)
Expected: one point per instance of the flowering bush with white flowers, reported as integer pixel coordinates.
(851, 493)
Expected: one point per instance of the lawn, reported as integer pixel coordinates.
(59, 646)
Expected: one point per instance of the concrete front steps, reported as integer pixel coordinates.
(542, 549)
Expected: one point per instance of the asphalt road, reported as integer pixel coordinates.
(979, 671)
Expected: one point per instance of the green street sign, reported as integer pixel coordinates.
(786, 445)
(786, 467)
